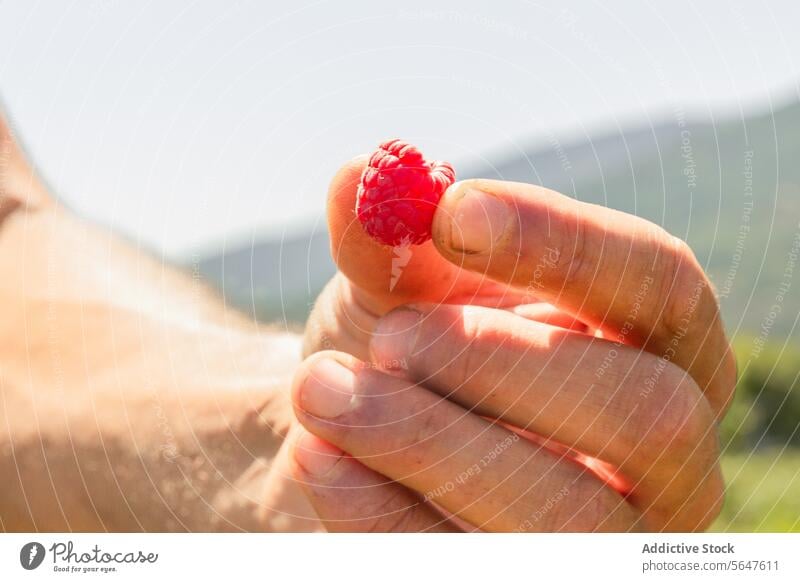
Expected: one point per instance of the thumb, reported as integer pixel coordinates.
(384, 277)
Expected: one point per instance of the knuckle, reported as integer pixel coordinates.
(575, 266)
(686, 290)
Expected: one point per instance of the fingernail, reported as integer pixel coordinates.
(394, 339)
(316, 456)
(328, 389)
(477, 222)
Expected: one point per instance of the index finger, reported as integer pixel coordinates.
(617, 272)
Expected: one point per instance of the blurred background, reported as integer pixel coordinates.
(206, 133)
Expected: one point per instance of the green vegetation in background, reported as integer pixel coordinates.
(761, 440)
(766, 408)
(763, 491)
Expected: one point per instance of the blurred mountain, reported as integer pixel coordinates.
(730, 187)
(273, 280)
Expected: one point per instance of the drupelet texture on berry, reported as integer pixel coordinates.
(399, 192)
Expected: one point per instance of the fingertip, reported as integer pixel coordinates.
(342, 192)
(350, 169)
(394, 338)
(352, 248)
(312, 367)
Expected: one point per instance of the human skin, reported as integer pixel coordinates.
(132, 399)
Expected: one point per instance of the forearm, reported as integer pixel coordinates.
(130, 396)
(158, 446)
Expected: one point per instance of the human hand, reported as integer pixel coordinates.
(627, 411)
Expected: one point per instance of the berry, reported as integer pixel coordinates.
(399, 192)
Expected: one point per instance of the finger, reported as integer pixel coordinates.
(477, 470)
(349, 497)
(384, 276)
(614, 403)
(614, 271)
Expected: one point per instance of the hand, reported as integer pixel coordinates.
(623, 417)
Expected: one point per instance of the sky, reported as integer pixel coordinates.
(190, 125)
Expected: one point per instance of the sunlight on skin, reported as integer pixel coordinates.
(131, 397)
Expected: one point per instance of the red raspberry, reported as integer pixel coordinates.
(399, 192)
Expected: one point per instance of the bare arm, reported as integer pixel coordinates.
(130, 397)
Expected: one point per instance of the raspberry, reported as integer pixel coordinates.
(398, 193)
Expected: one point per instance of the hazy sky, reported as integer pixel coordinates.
(187, 124)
